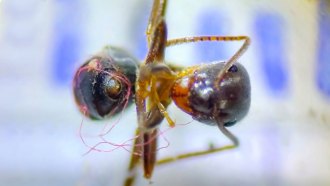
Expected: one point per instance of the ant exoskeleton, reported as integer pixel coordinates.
(215, 94)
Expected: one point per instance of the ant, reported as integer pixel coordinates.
(216, 94)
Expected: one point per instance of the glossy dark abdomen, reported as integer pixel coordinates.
(93, 79)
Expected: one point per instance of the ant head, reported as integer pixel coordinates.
(233, 97)
(209, 102)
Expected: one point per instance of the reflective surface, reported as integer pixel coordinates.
(284, 139)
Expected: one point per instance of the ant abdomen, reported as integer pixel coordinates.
(104, 85)
(197, 94)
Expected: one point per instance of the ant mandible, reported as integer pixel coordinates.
(216, 94)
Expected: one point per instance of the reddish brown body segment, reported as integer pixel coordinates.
(216, 94)
(180, 92)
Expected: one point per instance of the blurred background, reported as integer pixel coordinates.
(285, 139)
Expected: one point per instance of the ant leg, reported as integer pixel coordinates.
(160, 74)
(230, 62)
(161, 107)
(149, 152)
(151, 77)
(157, 12)
(234, 58)
(145, 146)
(174, 67)
(211, 149)
(135, 160)
(164, 75)
(226, 132)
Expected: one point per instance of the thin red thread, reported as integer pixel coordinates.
(106, 131)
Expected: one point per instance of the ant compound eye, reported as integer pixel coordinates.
(113, 88)
(104, 85)
(233, 68)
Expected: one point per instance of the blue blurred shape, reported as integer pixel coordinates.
(138, 27)
(67, 40)
(270, 31)
(66, 54)
(211, 22)
(323, 62)
(141, 43)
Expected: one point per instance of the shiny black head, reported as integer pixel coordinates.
(104, 85)
(228, 103)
